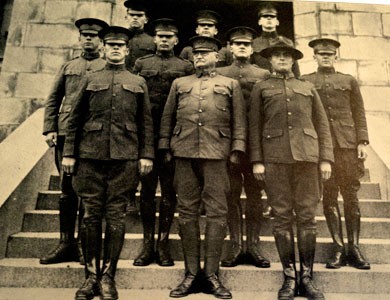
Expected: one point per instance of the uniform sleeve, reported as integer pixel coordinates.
(321, 125)
(76, 120)
(239, 129)
(168, 119)
(255, 125)
(189, 70)
(145, 125)
(295, 69)
(358, 113)
(53, 103)
(137, 67)
(184, 53)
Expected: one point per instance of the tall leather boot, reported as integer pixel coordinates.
(306, 247)
(81, 234)
(214, 237)
(333, 219)
(167, 210)
(253, 226)
(66, 250)
(113, 244)
(93, 240)
(284, 241)
(148, 215)
(355, 257)
(190, 238)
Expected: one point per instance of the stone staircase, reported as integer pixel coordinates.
(39, 234)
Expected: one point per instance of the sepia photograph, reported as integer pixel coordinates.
(196, 149)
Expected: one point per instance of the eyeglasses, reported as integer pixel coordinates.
(201, 53)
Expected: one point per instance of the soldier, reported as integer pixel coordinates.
(268, 21)
(241, 39)
(343, 102)
(159, 70)
(203, 124)
(207, 21)
(58, 106)
(110, 135)
(139, 45)
(290, 144)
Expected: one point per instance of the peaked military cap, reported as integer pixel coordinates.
(90, 25)
(282, 44)
(207, 17)
(241, 34)
(204, 43)
(115, 34)
(165, 26)
(324, 45)
(136, 5)
(268, 8)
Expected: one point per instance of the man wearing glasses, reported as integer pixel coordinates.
(343, 103)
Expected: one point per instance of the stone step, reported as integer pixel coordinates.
(29, 273)
(54, 183)
(48, 221)
(142, 294)
(35, 245)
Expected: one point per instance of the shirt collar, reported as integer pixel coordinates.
(269, 35)
(205, 73)
(326, 70)
(282, 76)
(238, 62)
(165, 54)
(115, 67)
(90, 55)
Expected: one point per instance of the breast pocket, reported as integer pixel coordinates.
(184, 96)
(132, 92)
(97, 99)
(148, 73)
(222, 96)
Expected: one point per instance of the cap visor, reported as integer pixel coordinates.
(89, 31)
(162, 32)
(115, 41)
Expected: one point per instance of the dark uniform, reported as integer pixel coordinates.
(159, 70)
(202, 124)
(289, 134)
(343, 103)
(267, 39)
(247, 75)
(109, 129)
(57, 109)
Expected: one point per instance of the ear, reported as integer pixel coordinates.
(176, 41)
(197, 30)
(127, 50)
(146, 19)
(216, 31)
(154, 39)
(277, 22)
(80, 38)
(251, 50)
(217, 56)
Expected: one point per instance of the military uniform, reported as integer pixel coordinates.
(289, 134)
(247, 75)
(202, 124)
(159, 70)
(225, 56)
(343, 103)
(110, 127)
(140, 45)
(57, 109)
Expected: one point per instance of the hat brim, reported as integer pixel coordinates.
(295, 53)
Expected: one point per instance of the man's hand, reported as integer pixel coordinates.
(51, 139)
(68, 165)
(362, 151)
(145, 166)
(235, 157)
(259, 171)
(326, 170)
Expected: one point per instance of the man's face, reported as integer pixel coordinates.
(136, 19)
(89, 42)
(325, 59)
(281, 61)
(206, 30)
(268, 23)
(205, 59)
(241, 50)
(115, 51)
(165, 42)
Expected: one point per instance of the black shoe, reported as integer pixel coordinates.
(233, 259)
(64, 252)
(186, 287)
(288, 289)
(107, 288)
(255, 258)
(215, 287)
(356, 259)
(308, 289)
(146, 257)
(89, 289)
(337, 261)
(163, 257)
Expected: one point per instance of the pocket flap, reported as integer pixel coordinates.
(93, 126)
(97, 87)
(341, 86)
(348, 123)
(221, 89)
(271, 93)
(132, 88)
(175, 74)
(66, 108)
(272, 133)
(184, 90)
(304, 92)
(310, 132)
(72, 72)
(148, 73)
(131, 127)
(224, 132)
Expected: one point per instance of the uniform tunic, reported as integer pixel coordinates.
(140, 44)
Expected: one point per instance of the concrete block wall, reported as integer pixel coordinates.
(42, 36)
